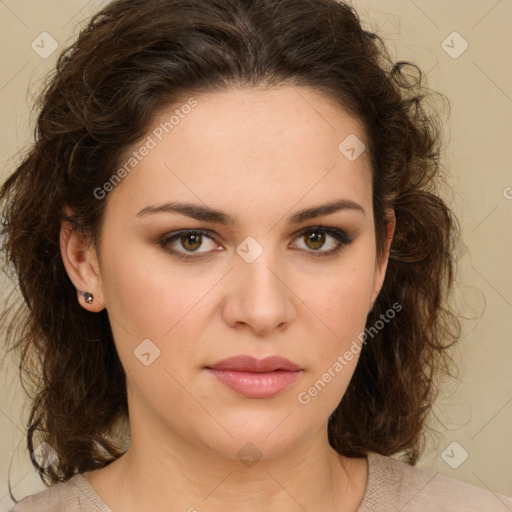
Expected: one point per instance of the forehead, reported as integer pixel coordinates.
(255, 146)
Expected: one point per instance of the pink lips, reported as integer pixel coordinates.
(256, 378)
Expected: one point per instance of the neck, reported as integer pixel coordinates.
(161, 470)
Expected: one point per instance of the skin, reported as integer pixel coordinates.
(266, 154)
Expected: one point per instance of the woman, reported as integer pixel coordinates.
(235, 266)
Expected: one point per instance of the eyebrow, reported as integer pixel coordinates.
(205, 213)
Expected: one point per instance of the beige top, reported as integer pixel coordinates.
(392, 486)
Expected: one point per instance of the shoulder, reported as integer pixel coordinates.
(74, 495)
(393, 485)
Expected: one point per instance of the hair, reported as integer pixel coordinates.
(136, 57)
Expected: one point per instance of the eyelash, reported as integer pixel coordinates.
(339, 235)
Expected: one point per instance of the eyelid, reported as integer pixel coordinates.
(170, 237)
(339, 234)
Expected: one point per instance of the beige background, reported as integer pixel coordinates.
(474, 412)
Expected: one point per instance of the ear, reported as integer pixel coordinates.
(81, 264)
(382, 263)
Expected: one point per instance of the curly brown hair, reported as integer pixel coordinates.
(133, 58)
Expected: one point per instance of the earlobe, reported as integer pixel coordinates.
(81, 264)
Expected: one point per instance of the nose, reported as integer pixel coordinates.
(260, 297)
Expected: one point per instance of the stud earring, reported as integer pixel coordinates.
(87, 296)
(371, 306)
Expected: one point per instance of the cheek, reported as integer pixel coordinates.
(341, 297)
(341, 300)
(144, 289)
(343, 305)
(150, 297)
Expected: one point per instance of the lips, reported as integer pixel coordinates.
(256, 378)
(251, 364)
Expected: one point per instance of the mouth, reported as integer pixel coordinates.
(256, 378)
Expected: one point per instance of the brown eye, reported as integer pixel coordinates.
(191, 241)
(194, 244)
(322, 240)
(314, 239)
(189, 244)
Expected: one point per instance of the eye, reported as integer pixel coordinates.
(186, 242)
(195, 244)
(322, 240)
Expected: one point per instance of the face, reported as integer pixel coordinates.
(246, 230)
